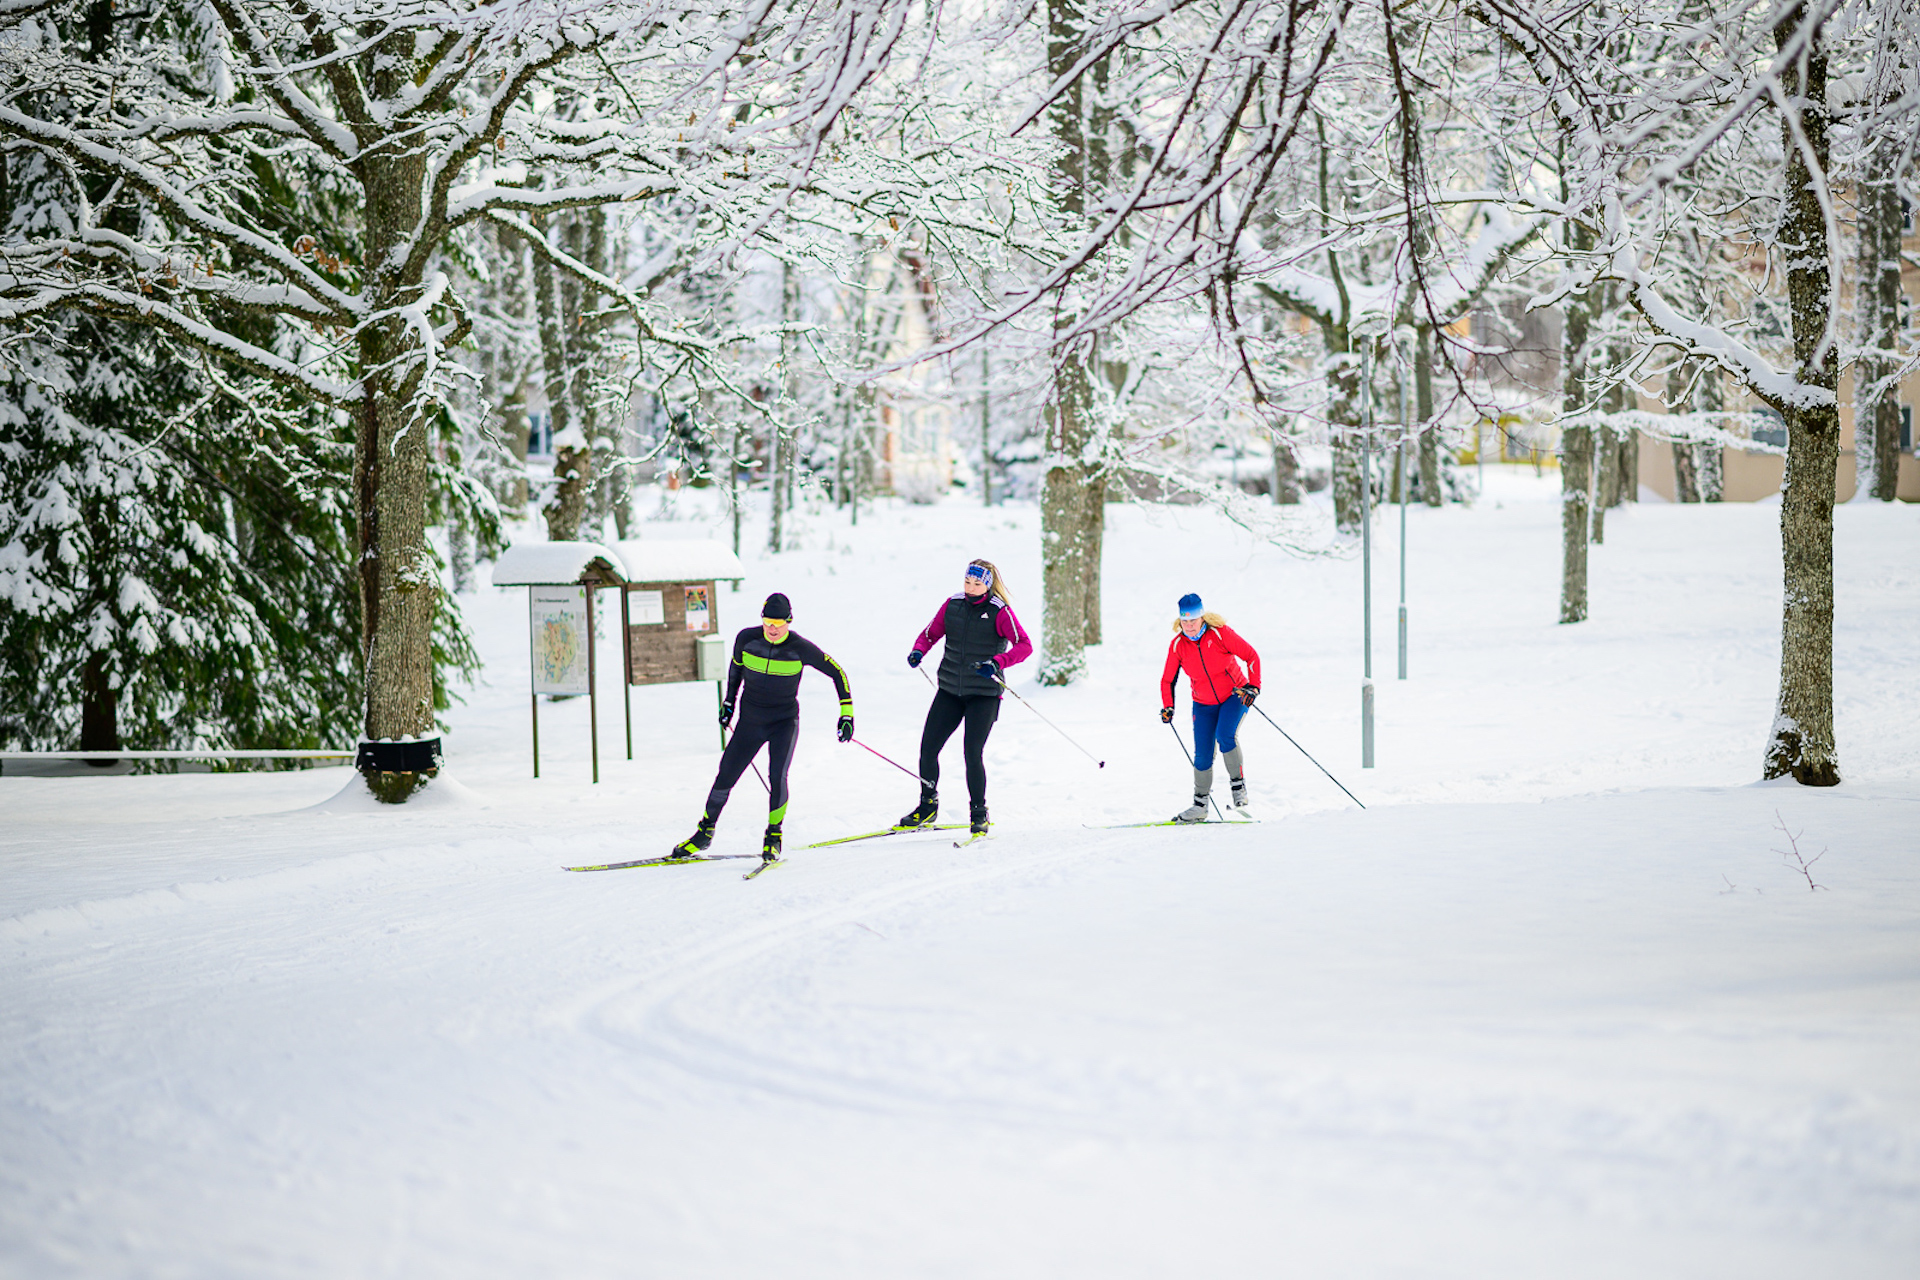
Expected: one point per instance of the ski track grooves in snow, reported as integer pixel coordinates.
(698, 1017)
(95, 913)
(637, 1014)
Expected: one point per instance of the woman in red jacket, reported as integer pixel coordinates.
(1211, 653)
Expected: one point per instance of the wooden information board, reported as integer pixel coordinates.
(662, 651)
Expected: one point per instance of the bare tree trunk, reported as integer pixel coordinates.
(399, 581)
(1576, 446)
(505, 384)
(1605, 456)
(1801, 741)
(460, 552)
(1065, 535)
(99, 708)
(1686, 470)
(586, 240)
(1343, 426)
(566, 507)
(1876, 397)
(1064, 527)
(734, 497)
(1094, 531)
(513, 426)
(986, 429)
(1430, 492)
(1708, 455)
(1286, 471)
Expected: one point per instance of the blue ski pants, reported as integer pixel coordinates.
(1219, 723)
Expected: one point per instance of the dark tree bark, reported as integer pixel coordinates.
(1876, 398)
(1708, 456)
(1686, 471)
(1801, 742)
(99, 718)
(1430, 492)
(566, 507)
(399, 581)
(1576, 446)
(1286, 471)
(1069, 504)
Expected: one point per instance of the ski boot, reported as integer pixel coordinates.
(696, 844)
(1202, 788)
(1197, 813)
(977, 819)
(923, 816)
(770, 843)
(1239, 793)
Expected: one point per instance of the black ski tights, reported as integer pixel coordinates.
(943, 717)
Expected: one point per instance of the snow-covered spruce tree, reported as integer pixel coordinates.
(421, 117)
(170, 576)
(174, 548)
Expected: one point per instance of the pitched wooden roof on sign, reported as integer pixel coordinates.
(658, 560)
(538, 564)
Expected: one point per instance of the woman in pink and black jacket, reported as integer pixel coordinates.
(983, 639)
(1212, 654)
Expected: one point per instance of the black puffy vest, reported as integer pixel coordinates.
(970, 639)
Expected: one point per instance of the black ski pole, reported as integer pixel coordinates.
(1303, 751)
(895, 763)
(1189, 755)
(1050, 724)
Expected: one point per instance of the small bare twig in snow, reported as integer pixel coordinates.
(1792, 855)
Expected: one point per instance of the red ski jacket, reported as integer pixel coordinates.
(1212, 664)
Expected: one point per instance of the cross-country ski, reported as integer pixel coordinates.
(671, 860)
(889, 831)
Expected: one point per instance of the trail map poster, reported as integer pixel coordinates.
(698, 616)
(559, 639)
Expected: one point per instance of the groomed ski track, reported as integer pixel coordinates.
(1150, 1017)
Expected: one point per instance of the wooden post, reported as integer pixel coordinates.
(593, 694)
(626, 666)
(533, 676)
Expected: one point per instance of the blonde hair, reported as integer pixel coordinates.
(1211, 618)
(996, 585)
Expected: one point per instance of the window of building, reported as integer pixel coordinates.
(1771, 427)
(1906, 428)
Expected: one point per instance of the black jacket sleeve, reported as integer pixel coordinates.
(816, 657)
(736, 671)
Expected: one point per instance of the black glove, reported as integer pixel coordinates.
(1166, 715)
(988, 669)
(913, 659)
(846, 729)
(1248, 692)
(726, 714)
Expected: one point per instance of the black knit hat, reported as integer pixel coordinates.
(777, 606)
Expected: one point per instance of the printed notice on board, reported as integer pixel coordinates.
(646, 608)
(698, 616)
(559, 639)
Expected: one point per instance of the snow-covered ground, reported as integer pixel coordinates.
(1551, 1006)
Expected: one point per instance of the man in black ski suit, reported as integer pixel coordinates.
(767, 660)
